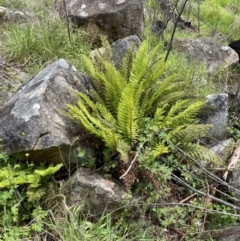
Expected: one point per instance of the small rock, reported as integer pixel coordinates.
(216, 113)
(94, 193)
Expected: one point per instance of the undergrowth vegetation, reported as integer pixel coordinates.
(43, 38)
(146, 116)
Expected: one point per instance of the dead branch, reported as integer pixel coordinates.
(129, 168)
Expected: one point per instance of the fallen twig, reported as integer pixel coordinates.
(187, 198)
(129, 168)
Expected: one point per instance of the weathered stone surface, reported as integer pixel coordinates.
(224, 148)
(8, 15)
(32, 120)
(119, 48)
(216, 113)
(234, 237)
(94, 193)
(114, 18)
(207, 50)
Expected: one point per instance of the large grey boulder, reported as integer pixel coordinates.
(32, 121)
(216, 113)
(116, 18)
(94, 193)
(206, 50)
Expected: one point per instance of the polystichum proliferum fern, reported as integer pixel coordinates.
(125, 99)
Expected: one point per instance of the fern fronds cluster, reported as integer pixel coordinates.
(124, 99)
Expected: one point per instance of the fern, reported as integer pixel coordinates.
(125, 99)
(128, 117)
(139, 64)
(159, 150)
(126, 65)
(187, 116)
(203, 155)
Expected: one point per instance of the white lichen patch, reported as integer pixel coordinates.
(225, 48)
(74, 68)
(36, 106)
(83, 14)
(26, 110)
(63, 63)
(102, 5)
(120, 1)
(83, 6)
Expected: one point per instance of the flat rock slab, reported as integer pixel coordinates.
(32, 121)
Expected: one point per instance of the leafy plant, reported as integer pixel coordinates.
(125, 100)
(22, 185)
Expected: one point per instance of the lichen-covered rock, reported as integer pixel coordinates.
(114, 18)
(224, 149)
(94, 193)
(208, 51)
(216, 113)
(32, 121)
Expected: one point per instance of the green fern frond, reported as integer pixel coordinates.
(114, 83)
(128, 115)
(139, 64)
(191, 132)
(111, 139)
(204, 155)
(176, 108)
(126, 65)
(83, 98)
(159, 150)
(94, 125)
(157, 93)
(123, 149)
(160, 114)
(154, 53)
(78, 115)
(105, 115)
(171, 98)
(188, 116)
(89, 66)
(107, 48)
